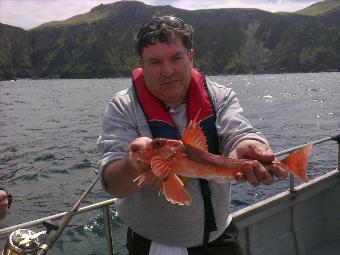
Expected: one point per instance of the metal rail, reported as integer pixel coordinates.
(105, 204)
(34, 223)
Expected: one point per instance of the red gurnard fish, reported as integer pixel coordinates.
(190, 158)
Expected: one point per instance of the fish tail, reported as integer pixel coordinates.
(174, 191)
(297, 162)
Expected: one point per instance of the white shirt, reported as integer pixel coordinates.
(161, 249)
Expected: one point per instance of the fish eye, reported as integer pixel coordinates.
(157, 143)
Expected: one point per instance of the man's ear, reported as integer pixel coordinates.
(191, 57)
(140, 61)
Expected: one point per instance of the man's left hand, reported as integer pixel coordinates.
(264, 171)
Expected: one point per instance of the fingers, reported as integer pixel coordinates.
(139, 143)
(253, 149)
(135, 145)
(279, 172)
(261, 152)
(255, 174)
(151, 181)
(250, 175)
(3, 199)
(3, 195)
(265, 155)
(3, 204)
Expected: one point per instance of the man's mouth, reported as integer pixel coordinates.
(168, 82)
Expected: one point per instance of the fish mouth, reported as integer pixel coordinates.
(139, 156)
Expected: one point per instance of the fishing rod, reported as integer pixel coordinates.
(328, 138)
(54, 230)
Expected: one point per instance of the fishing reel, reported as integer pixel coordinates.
(28, 242)
(22, 241)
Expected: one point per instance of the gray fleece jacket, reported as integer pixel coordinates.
(149, 214)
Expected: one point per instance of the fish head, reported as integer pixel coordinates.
(161, 147)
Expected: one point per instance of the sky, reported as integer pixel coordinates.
(32, 13)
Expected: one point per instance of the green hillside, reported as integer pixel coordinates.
(15, 53)
(320, 8)
(94, 15)
(226, 41)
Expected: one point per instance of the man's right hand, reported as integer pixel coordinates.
(119, 175)
(151, 181)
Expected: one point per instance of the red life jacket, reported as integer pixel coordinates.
(159, 119)
(162, 125)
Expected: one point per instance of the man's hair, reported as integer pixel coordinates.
(162, 29)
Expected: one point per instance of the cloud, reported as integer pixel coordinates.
(267, 5)
(31, 13)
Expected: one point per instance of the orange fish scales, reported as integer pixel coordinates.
(200, 164)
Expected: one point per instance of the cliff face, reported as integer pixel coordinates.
(15, 53)
(100, 42)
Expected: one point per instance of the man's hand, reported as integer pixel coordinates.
(118, 176)
(264, 171)
(153, 182)
(3, 204)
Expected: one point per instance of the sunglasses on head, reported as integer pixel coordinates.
(168, 21)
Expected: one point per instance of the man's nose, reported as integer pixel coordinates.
(167, 69)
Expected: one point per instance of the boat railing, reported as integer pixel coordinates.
(290, 150)
(105, 205)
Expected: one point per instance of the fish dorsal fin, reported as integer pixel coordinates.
(160, 167)
(194, 135)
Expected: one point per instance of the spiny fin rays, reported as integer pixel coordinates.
(194, 135)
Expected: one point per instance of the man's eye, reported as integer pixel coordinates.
(154, 63)
(177, 58)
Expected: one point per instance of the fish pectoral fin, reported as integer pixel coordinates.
(143, 178)
(194, 136)
(160, 166)
(174, 190)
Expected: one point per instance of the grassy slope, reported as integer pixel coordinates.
(241, 41)
(88, 18)
(320, 8)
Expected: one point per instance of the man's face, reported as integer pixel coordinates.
(167, 70)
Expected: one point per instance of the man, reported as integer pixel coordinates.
(5, 203)
(166, 93)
